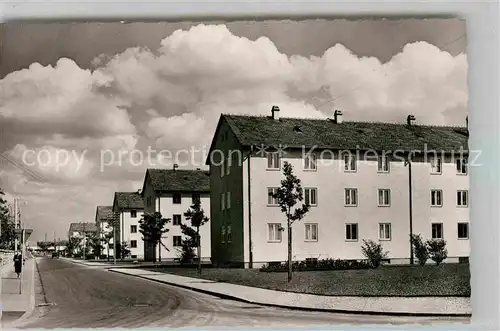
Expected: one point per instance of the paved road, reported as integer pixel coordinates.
(85, 297)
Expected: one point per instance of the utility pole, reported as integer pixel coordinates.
(16, 241)
(84, 241)
(410, 207)
(114, 238)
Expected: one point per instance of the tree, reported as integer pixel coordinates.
(152, 228)
(288, 196)
(196, 215)
(74, 246)
(94, 243)
(374, 252)
(7, 227)
(123, 249)
(421, 251)
(437, 250)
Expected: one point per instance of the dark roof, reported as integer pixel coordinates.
(325, 134)
(129, 200)
(83, 226)
(169, 180)
(103, 213)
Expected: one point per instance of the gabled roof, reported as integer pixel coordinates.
(103, 214)
(82, 226)
(325, 134)
(169, 180)
(128, 200)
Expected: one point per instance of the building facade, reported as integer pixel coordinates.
(172, 192)
(355, 177)
(129, 207)
(103, 220)
(81, 231)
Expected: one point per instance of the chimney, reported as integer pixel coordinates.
(275, 113)
(176, 166)
(410, 119)
(337, 117)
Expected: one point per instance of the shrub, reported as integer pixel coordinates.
(374, 252)
(187, 254)
(420, 249)
(437, 250)
(320, 265)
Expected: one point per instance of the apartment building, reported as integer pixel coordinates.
(129, 207)
(103, 221)
(172, 192)
(356, 177)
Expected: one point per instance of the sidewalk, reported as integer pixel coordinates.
(422, 306)
(14, 304)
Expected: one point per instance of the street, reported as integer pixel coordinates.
(77, 296)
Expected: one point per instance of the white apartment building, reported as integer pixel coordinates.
(129, 207)
(172, 192)
(103, 220)
(355, 178)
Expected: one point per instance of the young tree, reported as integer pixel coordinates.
(74, 246)
(94, 242)
(152, 228)
(287, 196)
(7, 228)
(124, 250)
(421, 251)
(196, 215)
(188, 244)
(437, 250)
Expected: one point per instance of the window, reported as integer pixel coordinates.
(133, 243)
(228, 233)
(463, 230)
(176, 219)
(228, 165)
(311, 196)
(437, 231)
(436, 166)
(195, 197)
(462, 166)
(223, 201)
(228, 197)
(310, 161)
(176, 198)
(177, 241)
(273, 161)
(436, 198)
(274, 232)
(384, 197)
(351, 232)
(223, 234)
(462, 198)
(383, 163)
(311, 232)
(351, 197)
(133, 229)
(384, 231)
(222, 167)
(133, 213)
(271, 201)
(349, 163)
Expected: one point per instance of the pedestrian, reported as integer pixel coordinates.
(18, 263)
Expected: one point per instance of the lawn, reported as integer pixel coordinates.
(430, 280)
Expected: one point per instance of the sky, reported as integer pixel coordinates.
(86, 108)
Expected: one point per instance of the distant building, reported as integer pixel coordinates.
(354, 177)
(103, 220)
(171, 192)
(129, 207)
(81, 230)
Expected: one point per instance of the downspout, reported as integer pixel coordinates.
(122, 230)
(410, 206)
(250, 253)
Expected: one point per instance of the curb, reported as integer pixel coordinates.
(31, 308)
(323, 310)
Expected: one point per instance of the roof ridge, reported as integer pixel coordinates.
(345, 122)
